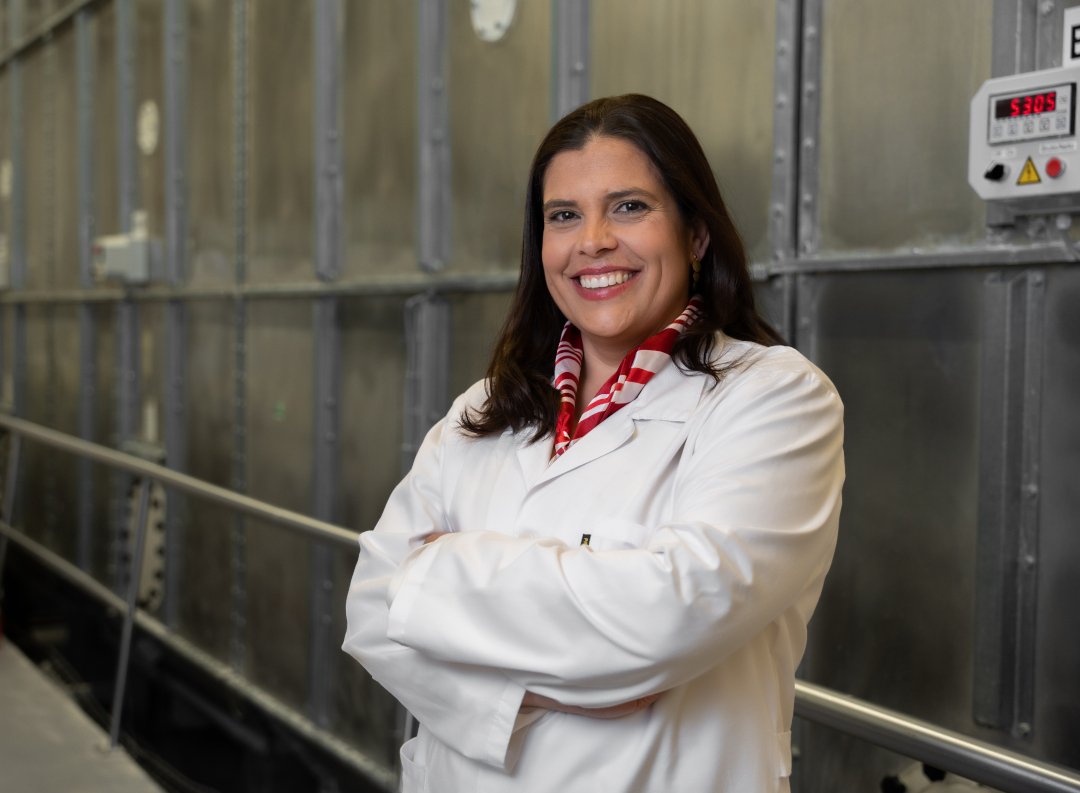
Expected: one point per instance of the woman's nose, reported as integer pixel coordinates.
(596, 237)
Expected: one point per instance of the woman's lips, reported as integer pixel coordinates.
(601, 286)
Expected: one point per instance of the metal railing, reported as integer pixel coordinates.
(1008, 771)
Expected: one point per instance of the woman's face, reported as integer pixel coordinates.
(616, 252)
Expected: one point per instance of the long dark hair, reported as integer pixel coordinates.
(519, 390)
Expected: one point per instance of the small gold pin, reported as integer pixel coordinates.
(585, 539)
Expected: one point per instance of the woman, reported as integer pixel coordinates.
(611, 593)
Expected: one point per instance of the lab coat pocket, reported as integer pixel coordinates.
(783, 752)
(413, 774)
(616, 534)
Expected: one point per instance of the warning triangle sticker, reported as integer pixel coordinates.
(1030, 175)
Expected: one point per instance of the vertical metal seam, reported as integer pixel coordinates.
(809, 128)
(570, 64)
(175, 312)
(433, 134)
(87, 336)
(784, 194)
(1028, 530)
(238, 620)
(329, 176)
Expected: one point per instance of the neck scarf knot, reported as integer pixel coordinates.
(622, 388)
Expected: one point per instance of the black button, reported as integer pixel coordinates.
(996, 172)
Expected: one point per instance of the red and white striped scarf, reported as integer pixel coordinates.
(622, 388)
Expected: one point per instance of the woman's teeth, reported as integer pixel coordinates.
(607, 279)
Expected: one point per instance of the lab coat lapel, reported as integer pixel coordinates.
(533, 459)
(669, 396)
(606, 437)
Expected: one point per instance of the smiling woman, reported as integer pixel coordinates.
(611, 593)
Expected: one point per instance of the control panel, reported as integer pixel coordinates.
(1022, 137)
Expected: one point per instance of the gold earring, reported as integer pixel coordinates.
(696, 267)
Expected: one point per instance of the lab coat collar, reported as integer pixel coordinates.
(671, 395)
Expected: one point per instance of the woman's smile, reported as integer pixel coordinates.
(603, 283)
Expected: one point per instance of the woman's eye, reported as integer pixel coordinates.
(631, 207)
(561, 216)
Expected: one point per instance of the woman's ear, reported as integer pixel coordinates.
(699, 238)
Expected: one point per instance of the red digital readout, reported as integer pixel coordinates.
(1026, 105)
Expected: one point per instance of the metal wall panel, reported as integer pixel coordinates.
(209, 132)
(896, 83)
(66, 166)
(475, 323)
(1057, 647)
(379, 109)
(498, 114)
(206, 577)
(34, 12)
(713, 63)
(895, 622)
(50, 480)
(105, 125)
(280, 400)
(102, 563)
(37, 146)
(372, 392)
(281, 129)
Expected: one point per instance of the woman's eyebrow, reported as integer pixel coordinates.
(560, 203)
(639, 191)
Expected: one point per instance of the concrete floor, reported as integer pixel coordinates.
(47, 743)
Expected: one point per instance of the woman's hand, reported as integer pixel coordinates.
(435, 536)
(532, 700)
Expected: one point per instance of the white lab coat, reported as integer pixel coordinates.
(713, 513)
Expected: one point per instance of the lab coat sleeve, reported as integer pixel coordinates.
(756, 509)
(468, 707)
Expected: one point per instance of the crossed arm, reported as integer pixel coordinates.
(531, 700)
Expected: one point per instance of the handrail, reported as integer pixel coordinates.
(1003, 769)
(380, 774)
(969, 757)
(312, 527)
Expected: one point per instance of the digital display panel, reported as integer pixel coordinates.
(1027, 105)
